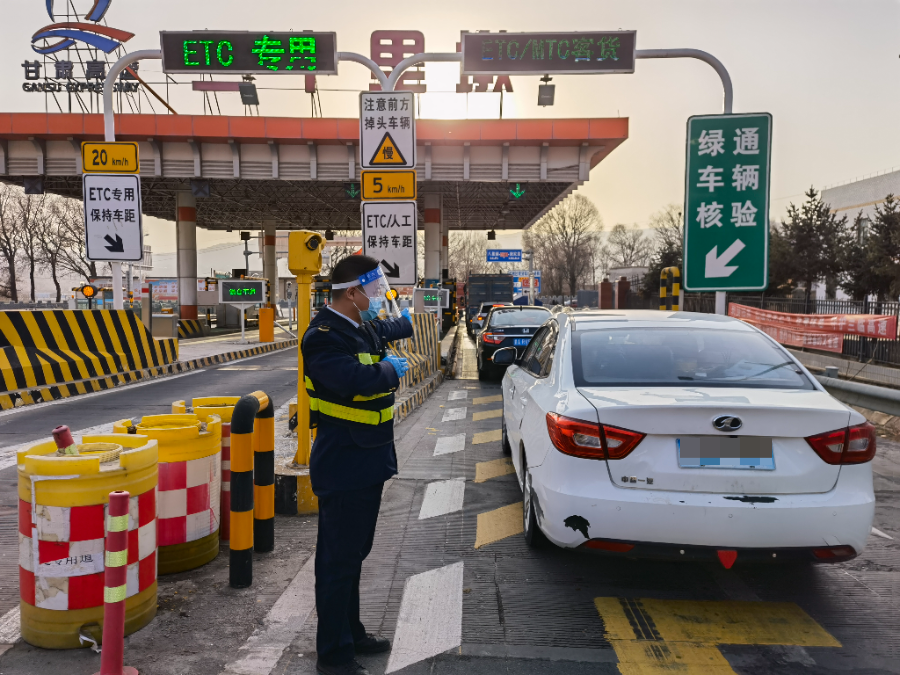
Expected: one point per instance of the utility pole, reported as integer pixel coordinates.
(529, 255)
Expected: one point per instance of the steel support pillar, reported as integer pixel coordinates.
(433, 237)
(270, 263)
(186, 235)
(445, 249)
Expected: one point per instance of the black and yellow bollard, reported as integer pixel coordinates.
(264, 481)
(246, 411)
(670, 289)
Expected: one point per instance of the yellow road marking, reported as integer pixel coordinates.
(499, 524)
(659, 636)
(486, 415)
(487, 399)
(498, 467)
(487, 436)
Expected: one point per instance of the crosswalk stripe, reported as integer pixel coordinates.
(457, 395)
(487, 399)
(443, 497)
(487, 436)
(447, 445)
(498, 467)
(486, 415)
(430, 619)
(453, 414)
(499, 524)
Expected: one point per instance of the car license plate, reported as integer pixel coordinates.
(725, 452)
(521, 342)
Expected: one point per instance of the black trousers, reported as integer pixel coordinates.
(347, 521)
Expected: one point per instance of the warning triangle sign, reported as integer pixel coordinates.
(388, 154)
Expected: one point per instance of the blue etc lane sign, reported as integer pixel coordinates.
(502, 255)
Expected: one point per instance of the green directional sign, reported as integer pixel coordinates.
(517, 190)
(726, 202)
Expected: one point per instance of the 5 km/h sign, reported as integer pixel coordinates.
(109, 157)
(112, 217)
(389, 236)
(726, 202)
(378, 185)
(387, 130)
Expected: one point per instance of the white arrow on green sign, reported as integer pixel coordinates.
(726, 204)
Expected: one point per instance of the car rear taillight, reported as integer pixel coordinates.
(852, 445)
(492, 339)
(583, 439)
(834, 553)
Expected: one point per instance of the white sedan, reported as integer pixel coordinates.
(686, 436)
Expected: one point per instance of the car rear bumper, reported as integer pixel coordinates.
(658, 519)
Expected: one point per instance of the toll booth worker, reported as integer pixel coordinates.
(351, 382)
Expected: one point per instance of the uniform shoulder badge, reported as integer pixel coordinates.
(324, 329)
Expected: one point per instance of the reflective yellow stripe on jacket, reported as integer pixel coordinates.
(336, 410)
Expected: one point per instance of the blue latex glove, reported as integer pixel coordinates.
(400, 365)
(405, 314)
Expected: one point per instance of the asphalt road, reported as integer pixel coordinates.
(451, 581)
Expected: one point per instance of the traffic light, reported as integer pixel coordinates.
(88, 291)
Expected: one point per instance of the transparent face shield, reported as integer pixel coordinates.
(382, 298)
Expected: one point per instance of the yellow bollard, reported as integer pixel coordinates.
(305, 261)
(670, 289)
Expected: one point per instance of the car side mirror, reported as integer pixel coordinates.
(505, 356)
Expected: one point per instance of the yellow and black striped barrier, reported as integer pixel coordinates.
(190, 328)
(670, 289)
(243, 527)
(264, 481)
(64, 349)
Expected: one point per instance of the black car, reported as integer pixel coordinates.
(478, 313)
(506, 327)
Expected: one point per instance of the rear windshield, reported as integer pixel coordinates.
(519, 317)
(667, 357)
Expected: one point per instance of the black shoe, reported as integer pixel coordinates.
(372, 644)
(348, 668)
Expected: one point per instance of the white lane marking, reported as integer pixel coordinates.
(457, 395)
(449, 444)
(260, 654)
(453, 414)
(9, 627)
(879, 533)
(8, 455)
(443, 497)
(430, 620)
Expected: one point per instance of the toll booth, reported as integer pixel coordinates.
(448, 314)
(321, 292)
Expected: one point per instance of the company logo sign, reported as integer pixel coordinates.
(62, 35)
(727, 423)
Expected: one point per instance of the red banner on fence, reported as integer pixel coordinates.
(868, 325)
(828, 342)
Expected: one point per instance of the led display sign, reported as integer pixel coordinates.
(545, 53)
(245, 52)
(247, 291)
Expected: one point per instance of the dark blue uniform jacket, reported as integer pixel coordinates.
(350, 457)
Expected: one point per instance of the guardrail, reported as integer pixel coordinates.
(879, 399)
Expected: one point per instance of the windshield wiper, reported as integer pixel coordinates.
(768, 370)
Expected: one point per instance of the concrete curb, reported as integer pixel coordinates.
(33, 396)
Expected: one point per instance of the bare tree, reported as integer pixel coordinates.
(52, 241)
(467, 253)
(10, 240)
(31, 214)
(628, 247)
(338, 253)
(73, 251)
(566, 244)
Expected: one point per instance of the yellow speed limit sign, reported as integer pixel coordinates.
(97, 157)
(392, 185)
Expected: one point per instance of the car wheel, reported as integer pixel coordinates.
(504, 437)
(533, 535)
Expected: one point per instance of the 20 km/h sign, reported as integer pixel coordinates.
(389, 236)
(726, 202)
(387, 130)
(388, 185)
(109, 157)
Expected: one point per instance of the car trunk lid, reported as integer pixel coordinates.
(673, 415)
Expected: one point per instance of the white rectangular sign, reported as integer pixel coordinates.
(112, 217)
(389, 236)
(387, 130)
